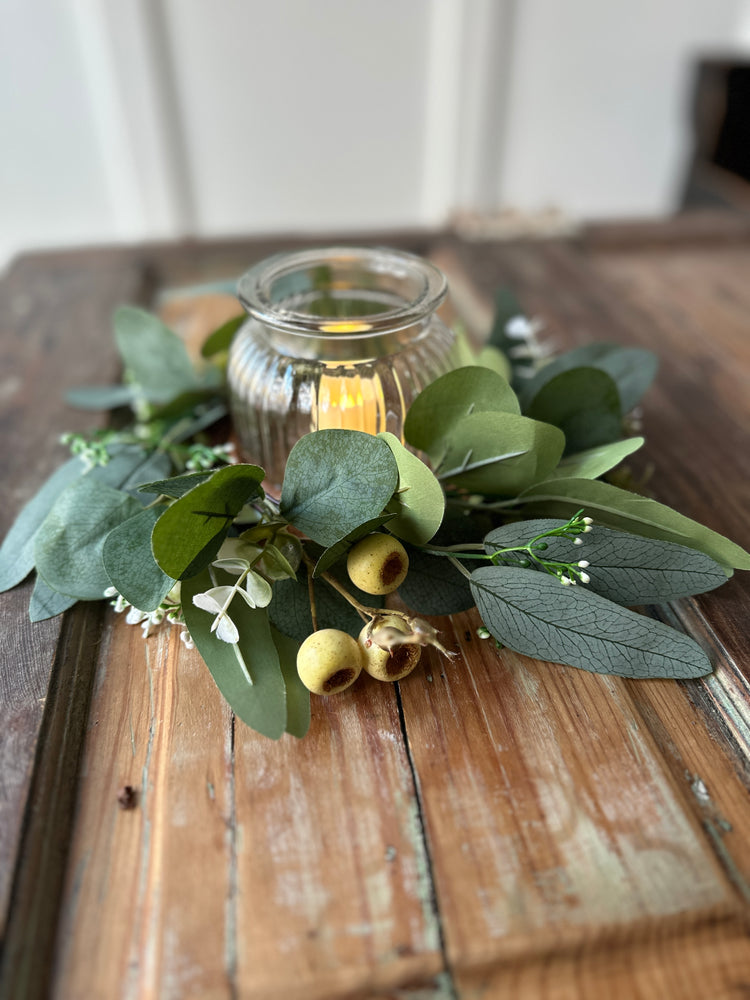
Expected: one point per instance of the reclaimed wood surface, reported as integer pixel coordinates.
(492, 827)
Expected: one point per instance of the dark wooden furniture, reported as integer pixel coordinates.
(497, 827)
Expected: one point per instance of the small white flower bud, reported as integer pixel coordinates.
(588, 520)
(483, 633)
(583, 563)
(585, 578)
(565, 581)
(578, 541)
(587, 529)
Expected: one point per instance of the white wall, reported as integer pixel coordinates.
(143, 119)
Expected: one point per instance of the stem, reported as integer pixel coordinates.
(311, 598)
(459, 567)
(367, 614)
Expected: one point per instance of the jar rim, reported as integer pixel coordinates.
(255, 290)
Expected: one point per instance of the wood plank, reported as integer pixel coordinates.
(53, 336)
(335, 895)
(145, 909)
(205, 895)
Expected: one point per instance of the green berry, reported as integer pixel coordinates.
(329, 661)
(378, 564)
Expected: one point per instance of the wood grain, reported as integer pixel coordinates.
(497, 827)
(54, 335)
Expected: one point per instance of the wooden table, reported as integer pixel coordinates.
(495, 827)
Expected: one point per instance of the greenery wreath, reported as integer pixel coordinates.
(521, 509)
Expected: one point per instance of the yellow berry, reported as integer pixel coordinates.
(329, 661)
(388, 664)
(378, 564)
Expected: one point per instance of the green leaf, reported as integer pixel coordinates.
(419, 504)
(100, 397)
(290, 607)
(130, 563)
(68, 546)
(47, 603)
(249, 674)
(189, 533)
(177, 486)
(632, 368)
(297, 695)
(625, 568)
(219, 341)
(334, 552)
(451, 398)
(584, 403)
(499, 453)
(594, 462)
(534, 614)
(155, 358)
(129, 466)
(336, 480)
(433, 585)
(617, 508)
(17, 551)
(494, 359)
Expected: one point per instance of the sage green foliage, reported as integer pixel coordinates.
(631, 368)
(46, 602)
(499, 454)
(433, 585)
(334, 481)
(533, 614)
(442, 405)
(190, 532)
(625, 568)
(177, 486)
(155, 358)
(297, 695)
(334, 552)
(221, 338)
(594, 462)
(130, 564)
(249, 675)
(17, 551)
(419, 501)
(68, 548)
(290, 607)
(584, 403)
(618, 508)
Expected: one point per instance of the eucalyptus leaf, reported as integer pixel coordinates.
(584, 403)
(177, 486)
(17, 551)
(297, 695)
(336, 480)
(494, 359)
(632, 369)
(433, 585)
(450, 399)
(219, 341)
(190, 532)
(290, 607)
(625, 568)
(155, 358)
(419, 504)
(617, 508)
(203, 396)
(130, 564)
(594, 462)
(68, 546)
(100, 397)
(334, 552)
(534, 614)
(499, 453)
(249, 673)
(46, 602)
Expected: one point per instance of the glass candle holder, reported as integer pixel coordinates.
(337, 337)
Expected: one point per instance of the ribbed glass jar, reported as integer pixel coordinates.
(336, 337)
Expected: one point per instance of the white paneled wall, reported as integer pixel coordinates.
(142, 119)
